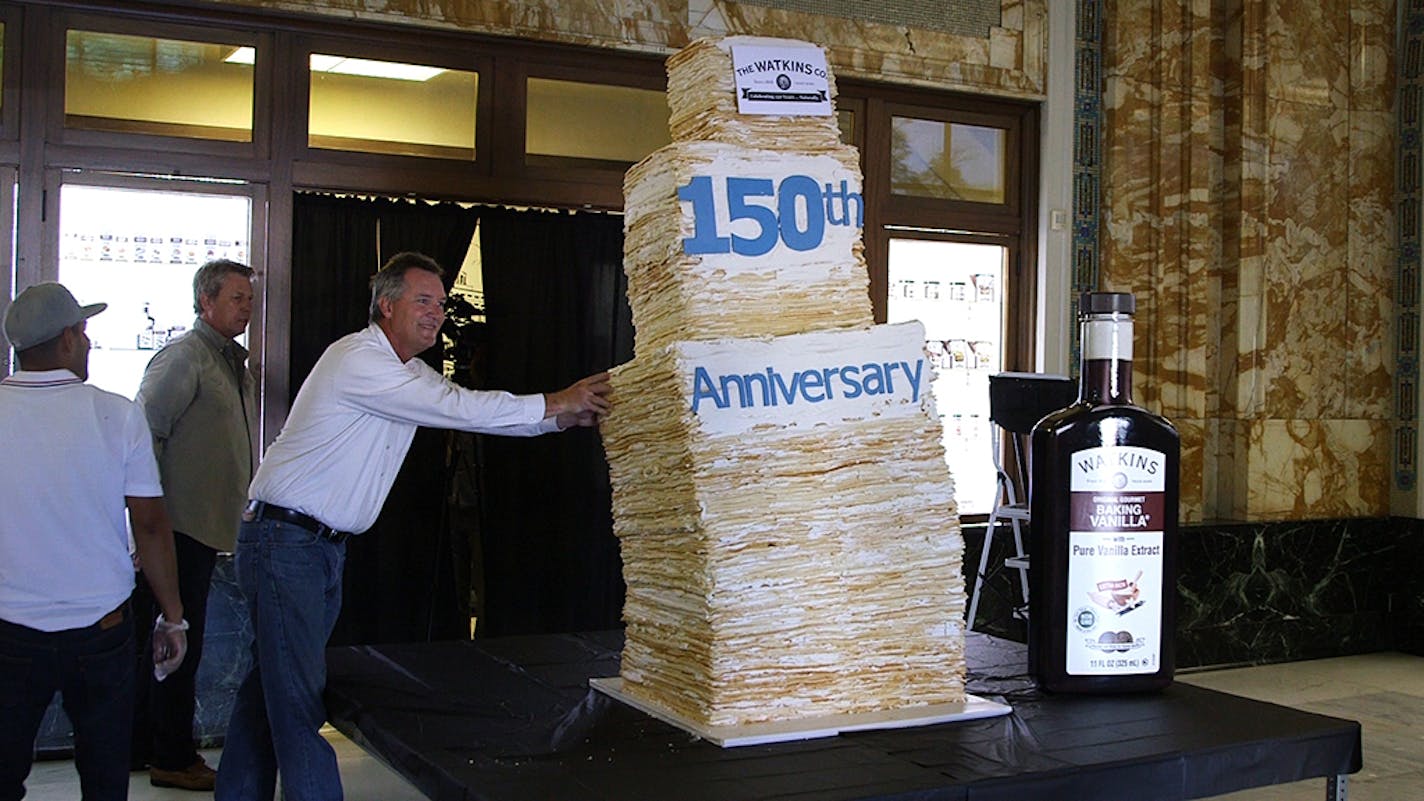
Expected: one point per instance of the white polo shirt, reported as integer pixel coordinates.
(72, 453)
(353, 421)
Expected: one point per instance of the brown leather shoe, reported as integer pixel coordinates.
(197, 776)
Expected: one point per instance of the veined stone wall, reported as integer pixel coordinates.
(1010, 61)
(1248, 194)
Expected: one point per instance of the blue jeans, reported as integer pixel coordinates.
(93, 670)
(291, 581)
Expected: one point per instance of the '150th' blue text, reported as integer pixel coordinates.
(776, 218)
(773, 388)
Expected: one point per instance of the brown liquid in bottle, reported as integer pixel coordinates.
(1103, 550)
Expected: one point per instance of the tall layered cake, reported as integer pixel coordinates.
(790, 540)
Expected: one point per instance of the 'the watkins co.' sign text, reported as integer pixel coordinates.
(787, 80)
(805, 379)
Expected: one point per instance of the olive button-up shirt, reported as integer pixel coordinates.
(200, 401)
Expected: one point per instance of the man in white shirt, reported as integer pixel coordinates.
(77, 458)
(327, 475)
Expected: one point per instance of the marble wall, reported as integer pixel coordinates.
(1257, 593)
(1252, 593)
(1247, 201)
(1011, 61)
(1409, 633)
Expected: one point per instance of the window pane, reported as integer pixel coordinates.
(387, 107)
(139, 84)
(594, 121)
(137, 250)
(930, 158)
(956, 290)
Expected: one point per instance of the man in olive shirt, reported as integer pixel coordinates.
(198, 396)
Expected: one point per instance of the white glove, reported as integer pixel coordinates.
(170, 645)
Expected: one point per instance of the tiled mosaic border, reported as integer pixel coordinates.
(1406, 315)
(1087, 159)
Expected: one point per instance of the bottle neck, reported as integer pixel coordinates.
(1106, 375)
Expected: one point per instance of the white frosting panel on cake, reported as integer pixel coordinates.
(743, 210)
(805, 380)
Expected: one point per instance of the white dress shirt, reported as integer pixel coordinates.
(354, 419)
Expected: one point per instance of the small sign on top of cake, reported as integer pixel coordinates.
(783, 79)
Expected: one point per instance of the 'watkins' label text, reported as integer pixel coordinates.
(1118, 468)
(783, 65)
(1148, 462)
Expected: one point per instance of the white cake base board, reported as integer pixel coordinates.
(972, 708)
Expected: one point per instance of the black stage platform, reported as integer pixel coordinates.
(515, 720)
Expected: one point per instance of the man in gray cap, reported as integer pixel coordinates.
(79, 457)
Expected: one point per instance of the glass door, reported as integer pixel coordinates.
(956, 290)
(7, 256)
(136, 249)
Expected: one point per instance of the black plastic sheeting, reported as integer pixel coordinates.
(514, 719)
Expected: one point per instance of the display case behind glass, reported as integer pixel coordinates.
(137, 250)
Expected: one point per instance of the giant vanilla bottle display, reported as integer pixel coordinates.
(1102, 601)
(790, 541)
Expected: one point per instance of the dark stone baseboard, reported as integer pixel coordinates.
(1257, 593)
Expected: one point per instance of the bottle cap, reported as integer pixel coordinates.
(1107, 303)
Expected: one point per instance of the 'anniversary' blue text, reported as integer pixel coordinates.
(773, 388)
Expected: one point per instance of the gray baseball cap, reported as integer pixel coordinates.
(41, 312)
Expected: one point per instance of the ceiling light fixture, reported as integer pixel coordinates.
(364, 67)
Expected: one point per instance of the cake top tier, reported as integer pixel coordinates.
(776, 74)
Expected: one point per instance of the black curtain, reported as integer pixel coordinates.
(333, 258)
(556, 300)
(399, 584)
